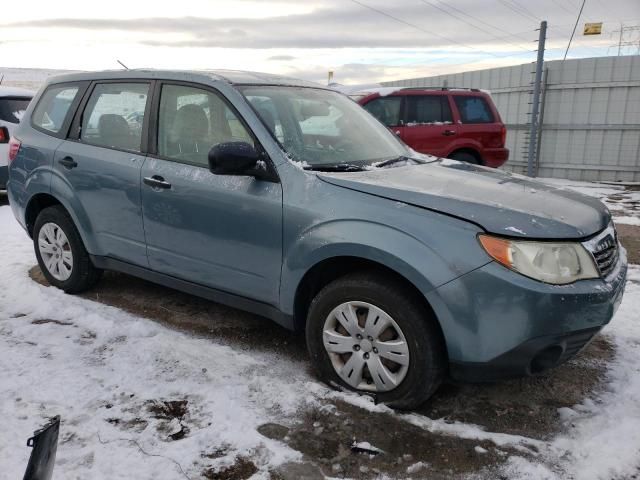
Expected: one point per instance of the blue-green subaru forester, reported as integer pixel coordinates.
(287, 199)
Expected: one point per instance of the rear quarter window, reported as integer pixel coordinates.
(53, 107)
(473, 109)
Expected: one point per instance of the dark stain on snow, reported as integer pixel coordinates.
(43, 321)
(241, 469)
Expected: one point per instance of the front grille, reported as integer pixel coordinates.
(606, 255)
(605, 251)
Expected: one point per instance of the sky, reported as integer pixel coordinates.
(361, 41)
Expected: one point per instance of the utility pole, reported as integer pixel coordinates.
(620, 40)
(531, 153)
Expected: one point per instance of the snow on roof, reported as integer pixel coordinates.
(382, 91)
(15, 92)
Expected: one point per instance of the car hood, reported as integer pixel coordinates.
(500, 202)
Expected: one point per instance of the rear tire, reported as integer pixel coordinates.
(465, 157)
(61, 255)
(408, 356)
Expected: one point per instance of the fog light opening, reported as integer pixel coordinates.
(546, 359)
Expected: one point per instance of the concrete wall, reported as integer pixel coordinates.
(591, 124)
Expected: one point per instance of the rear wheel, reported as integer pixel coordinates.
(61, 255)
(465, 157)
(371, 335)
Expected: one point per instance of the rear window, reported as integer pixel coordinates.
(53, 107)
(114, 115)
(473, 109)
(427, 109)
(12, 109)
(385, 109)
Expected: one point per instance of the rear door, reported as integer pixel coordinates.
(428, 124)
(478, 121)
(223, 232)
(100, 165)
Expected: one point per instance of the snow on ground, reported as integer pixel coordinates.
(104, 371)
(90, 363)
(624, 204)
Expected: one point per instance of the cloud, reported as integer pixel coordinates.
(282, 58)
(337, 27)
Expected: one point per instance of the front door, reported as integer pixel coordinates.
(223, 232)
(428, 126)
(102, 166)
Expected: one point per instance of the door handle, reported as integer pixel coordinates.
(448, 133)
(68, 163)
(156, 182)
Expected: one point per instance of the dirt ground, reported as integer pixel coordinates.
(325, 436)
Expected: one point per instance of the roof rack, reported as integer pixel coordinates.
(441, 88)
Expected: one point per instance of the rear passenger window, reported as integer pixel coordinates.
(12, 109)
(427, 109)
(114, 114)
(473, 109)
(192, 121)
(53, 107)
(385, 109)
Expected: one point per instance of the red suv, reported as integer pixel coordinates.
(462, 124)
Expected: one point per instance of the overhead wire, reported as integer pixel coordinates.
(428, 32)
(457, 17)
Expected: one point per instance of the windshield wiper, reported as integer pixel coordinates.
(336, 167)
(401, 158)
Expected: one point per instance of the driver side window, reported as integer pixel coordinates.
(191, 121)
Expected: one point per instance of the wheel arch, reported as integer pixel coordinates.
(36, 204)
(332, 268)
(42, 200)
(470, 151)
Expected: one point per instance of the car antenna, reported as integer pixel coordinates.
(125, 67)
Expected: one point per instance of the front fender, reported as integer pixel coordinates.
(388, 246)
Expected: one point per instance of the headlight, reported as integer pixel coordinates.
(558, 263)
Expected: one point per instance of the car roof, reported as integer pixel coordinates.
(233, 77)
(15, 92)
(371, 93)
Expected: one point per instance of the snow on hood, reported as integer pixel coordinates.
(499, 202)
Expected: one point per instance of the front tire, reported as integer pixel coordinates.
(61, 255)
(465, 157)
(370, 334)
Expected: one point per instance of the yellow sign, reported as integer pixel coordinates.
(593, 28)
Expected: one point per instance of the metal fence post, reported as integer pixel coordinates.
(531, 154)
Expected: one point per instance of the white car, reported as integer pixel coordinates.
(13, 103)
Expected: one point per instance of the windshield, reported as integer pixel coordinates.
(323, 128)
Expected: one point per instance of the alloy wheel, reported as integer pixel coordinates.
(367, 348)
(55, 251)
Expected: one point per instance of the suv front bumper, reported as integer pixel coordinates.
(499, 324)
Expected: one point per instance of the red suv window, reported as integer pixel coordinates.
(428, 109)
(473, 109)
(386, 109)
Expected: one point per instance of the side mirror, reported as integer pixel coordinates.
(239, 158)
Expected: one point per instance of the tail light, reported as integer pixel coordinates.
(503, 136)
(14, 148)
(4, 135)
